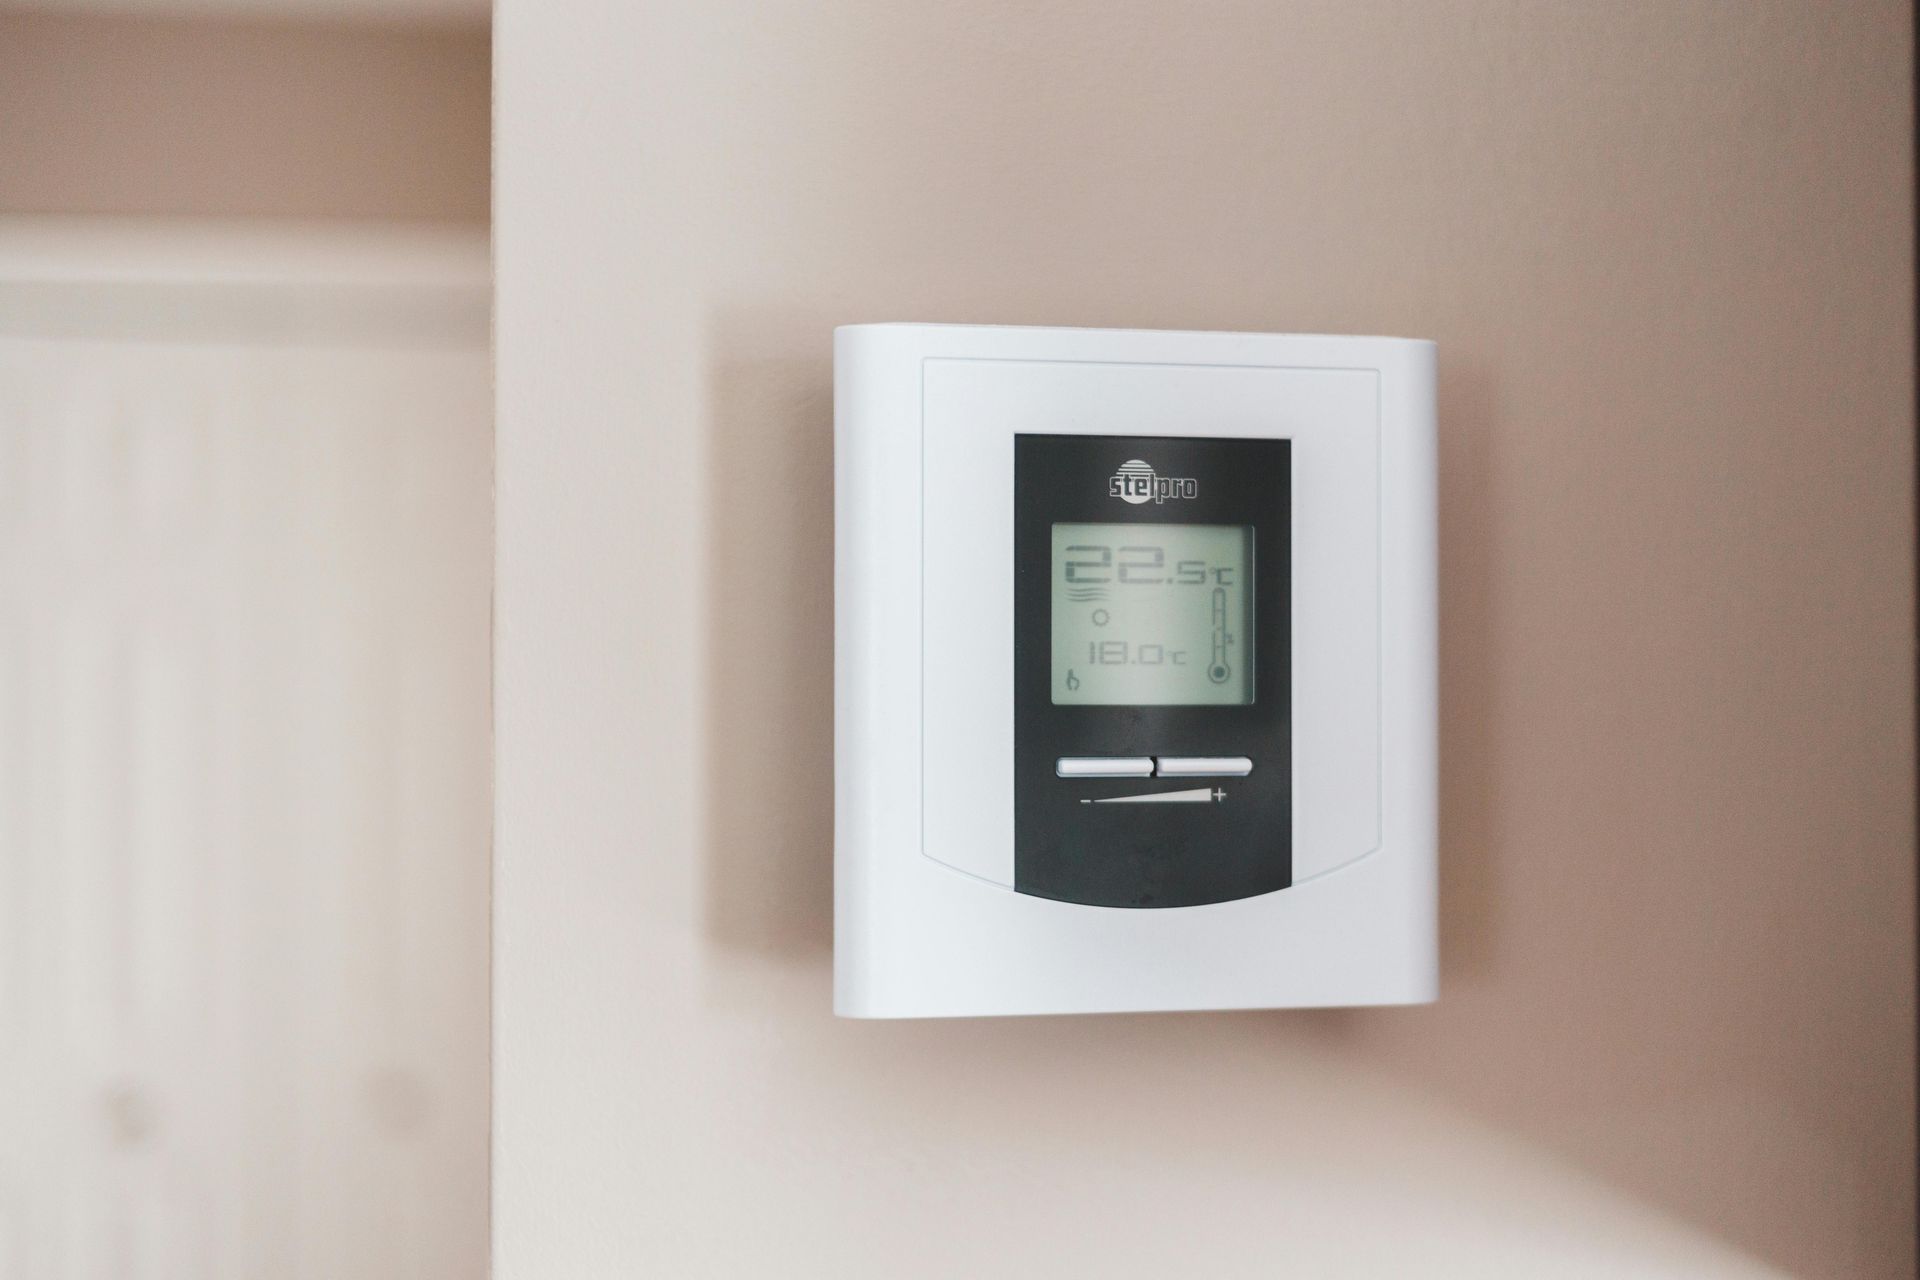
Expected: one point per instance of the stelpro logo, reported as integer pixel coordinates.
(1136, 482)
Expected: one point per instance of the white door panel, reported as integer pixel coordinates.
(244, 591)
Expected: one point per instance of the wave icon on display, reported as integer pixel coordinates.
(1084, 595)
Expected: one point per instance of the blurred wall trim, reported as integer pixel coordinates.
(162, 280)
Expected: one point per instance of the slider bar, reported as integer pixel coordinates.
(1199, 795)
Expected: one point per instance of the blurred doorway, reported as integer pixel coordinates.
(245, 565)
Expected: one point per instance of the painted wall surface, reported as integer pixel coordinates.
(1665, 250)
(122, 114)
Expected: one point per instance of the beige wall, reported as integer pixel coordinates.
(229, 117)
(1665, 252)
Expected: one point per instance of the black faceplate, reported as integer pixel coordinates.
(1152, 855)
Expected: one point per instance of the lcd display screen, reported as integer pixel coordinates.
(1152, 614)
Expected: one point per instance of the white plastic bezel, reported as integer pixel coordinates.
(926, 923)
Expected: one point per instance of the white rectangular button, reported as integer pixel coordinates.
(1103, 767)
(1203, 767)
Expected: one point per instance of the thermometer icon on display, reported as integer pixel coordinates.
(1218, 670)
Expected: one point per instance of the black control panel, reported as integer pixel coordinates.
(1152, 669)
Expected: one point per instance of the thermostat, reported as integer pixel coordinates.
(1134, 671)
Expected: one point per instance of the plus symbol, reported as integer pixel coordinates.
(1219, 795)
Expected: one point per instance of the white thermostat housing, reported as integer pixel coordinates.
(1134, 671)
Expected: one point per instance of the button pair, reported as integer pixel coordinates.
(1153, 766)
